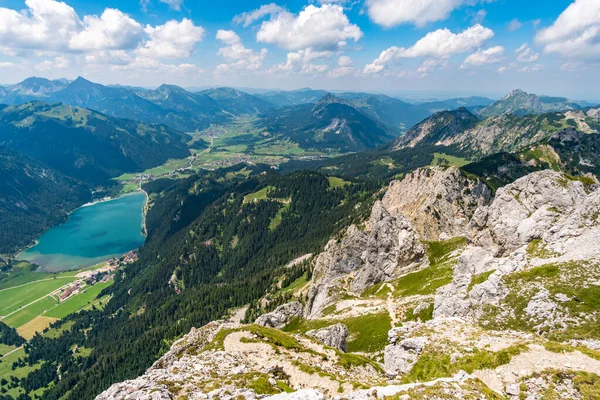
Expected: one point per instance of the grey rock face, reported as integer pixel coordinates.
(400, 357)
(333, 336)
(137, 389)
(438, 201)
(281, 316)
(387, 248)
(534, 207)
(548, 206)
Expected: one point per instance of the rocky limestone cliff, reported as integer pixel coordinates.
(545, 218)
(439, 201)
(386, 248)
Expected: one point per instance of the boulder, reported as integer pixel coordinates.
(333, 336)
(281, 316)
(400, 357)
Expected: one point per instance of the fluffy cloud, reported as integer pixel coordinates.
(575, 33)
(50, 27)
(171, 40)
(301, 62)
(109, 57)
(112, 30)
(441, 43)
(525, 54)
(514, 25)
(320, 28)
(344, 68)
(390, 13)
(237, 56)
(248, 18)
(46, 24)
(493, 55)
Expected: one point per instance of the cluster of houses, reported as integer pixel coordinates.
(128, 258)
(70, 290)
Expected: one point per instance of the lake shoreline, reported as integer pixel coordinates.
(91, 235)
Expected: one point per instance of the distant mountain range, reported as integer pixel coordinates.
(473, 103)
(521, 103)
(194, 111)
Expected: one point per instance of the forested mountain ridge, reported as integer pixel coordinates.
(33, 197)
(395, 114)
(237, 102)
(85, 144)
(333, 124)
(569, 150)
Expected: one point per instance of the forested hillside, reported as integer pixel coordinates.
(85, 144)
(331, 125)
(217, 240)
(33, 197)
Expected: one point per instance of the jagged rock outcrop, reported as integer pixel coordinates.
(387, 248)
(545, 205)
(541, 218)
(333, 336)
(439, 201)
(281, 316)
(402, 354)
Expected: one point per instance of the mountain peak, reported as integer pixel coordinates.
(331, 99)
(328, 99)
(516, 92)
(519, 102)
(81, 82)
(169, 88)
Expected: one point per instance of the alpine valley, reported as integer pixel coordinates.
(301, 244)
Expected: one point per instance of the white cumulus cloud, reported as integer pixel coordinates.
(390, 13)
(237, 55)
(248, 18)
(171, 40)
(301, 61)
(320, 28)
(493, 55)
(344, 68)
(575, 33)
(45, 24)
(441, 43)
(112, 30)
(525, 54)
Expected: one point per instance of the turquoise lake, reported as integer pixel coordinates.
(92, 234)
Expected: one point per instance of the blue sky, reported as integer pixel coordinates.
(411, 47)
